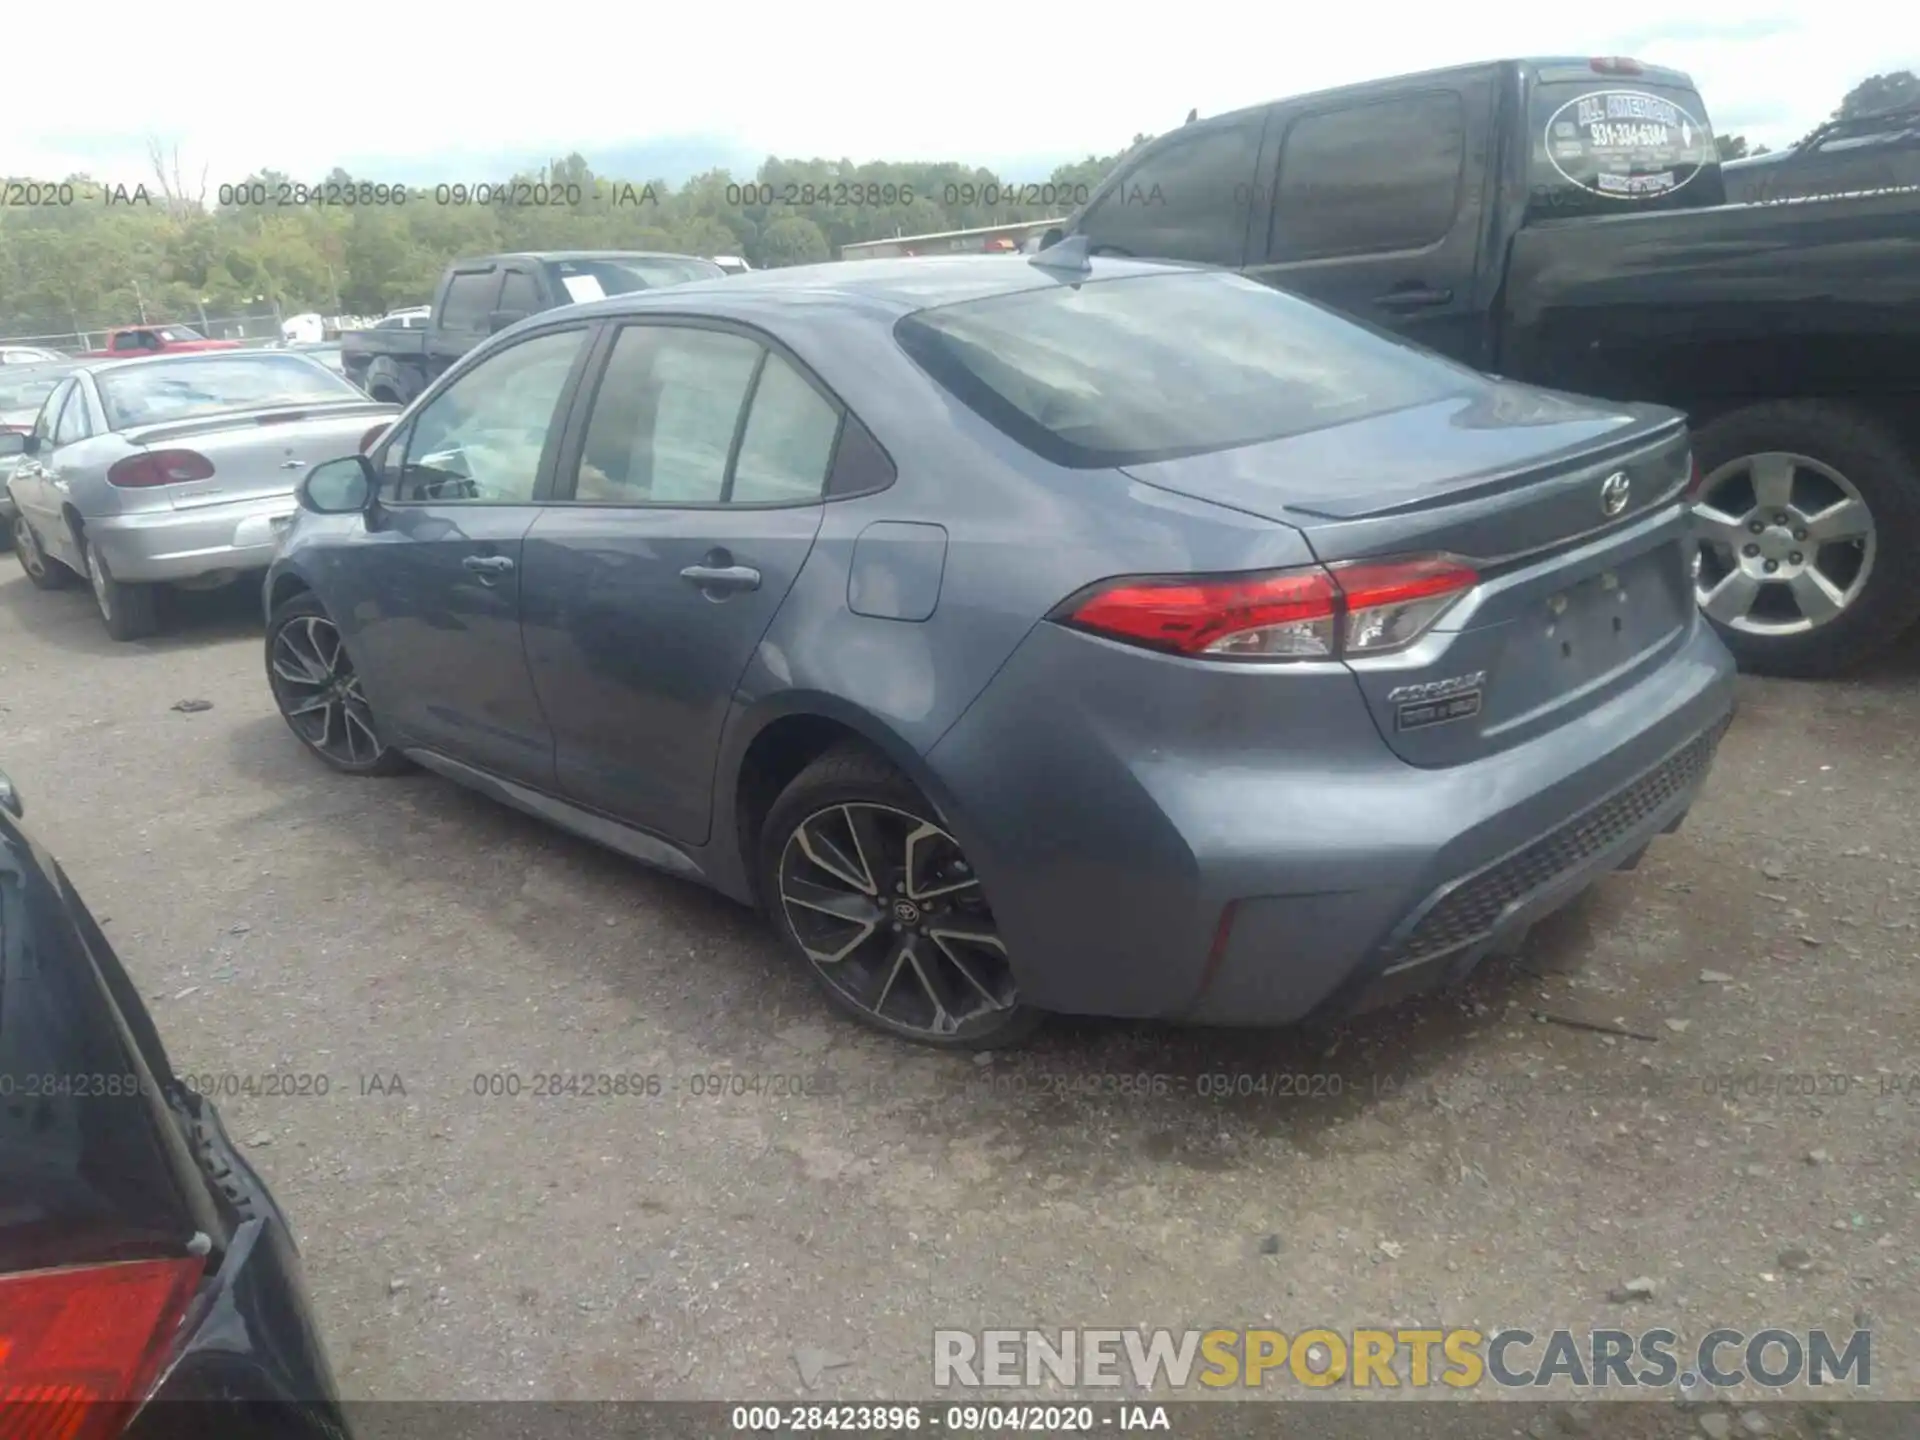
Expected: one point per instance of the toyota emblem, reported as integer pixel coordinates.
(1614, 492)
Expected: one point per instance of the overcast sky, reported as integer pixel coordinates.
(393, 89)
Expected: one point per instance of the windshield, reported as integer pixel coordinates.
(149, 394)
(591, 279)
(1149, 368)
(1614, 144)
(26, 392)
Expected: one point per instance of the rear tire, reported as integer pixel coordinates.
(907, 944)
(1830, 449)
(130, 612)
(42, 570)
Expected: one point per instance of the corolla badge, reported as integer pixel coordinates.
(1615, 491)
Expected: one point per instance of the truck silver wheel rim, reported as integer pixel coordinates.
(27, 544)
(1786, 544)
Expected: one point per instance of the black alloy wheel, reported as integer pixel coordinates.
(319, 695)
(874, 891)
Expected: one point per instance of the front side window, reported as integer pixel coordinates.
(480, 440)
(468, 300)
(133, 340)
(520, 293)
(1185, 199)
(1132, 370)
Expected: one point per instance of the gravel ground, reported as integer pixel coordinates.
(1482, 1163)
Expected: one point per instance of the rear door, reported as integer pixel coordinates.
(37, 499)
(688, 501)
(429, 595)
(1377, 205)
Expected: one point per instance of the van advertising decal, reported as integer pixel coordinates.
(1627, 144)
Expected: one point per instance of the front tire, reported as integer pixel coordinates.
(1808, 517)
(318, 693)
(130, 612)
(869, 888)
(43, 572)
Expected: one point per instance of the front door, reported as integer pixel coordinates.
(428, 597)
(684, 511)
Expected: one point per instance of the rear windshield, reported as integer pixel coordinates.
(178, 334)
(591, 279)
(1127, 371)
(150, 394)
(1613, 144)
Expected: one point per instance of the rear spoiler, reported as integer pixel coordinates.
(245, 419)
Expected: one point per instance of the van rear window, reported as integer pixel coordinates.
(1613, 144)
(1143, 368)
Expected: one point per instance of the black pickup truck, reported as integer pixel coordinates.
(1869, 152)
(480, 297)
(1564, 222)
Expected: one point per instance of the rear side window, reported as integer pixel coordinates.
(1186, 199)
(72, 427)
(1127, 371)
(468, 300)
(1370, 178)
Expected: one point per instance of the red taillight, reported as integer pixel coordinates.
(1391, 603)
(1616, 65)
(1363, 608)
(160, 467)
(80, 1348)
(372, 437)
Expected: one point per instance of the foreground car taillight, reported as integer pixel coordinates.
(1361, 608)
(80, 1348)
(160, 467)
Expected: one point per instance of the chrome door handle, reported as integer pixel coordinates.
(722, 577)
(488, 564)
(292, 464)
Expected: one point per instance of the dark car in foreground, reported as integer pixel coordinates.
(1107, 637)
(1562, 222)
(142, 1260)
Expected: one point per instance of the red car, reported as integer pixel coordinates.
(156, 340)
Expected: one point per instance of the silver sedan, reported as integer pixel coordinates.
(174, 470)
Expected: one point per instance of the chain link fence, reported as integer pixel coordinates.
(258, 327)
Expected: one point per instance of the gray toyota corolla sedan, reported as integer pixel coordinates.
(1038, 635)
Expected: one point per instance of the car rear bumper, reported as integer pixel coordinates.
(249, 1360)
(188, 544)
(1219, 863)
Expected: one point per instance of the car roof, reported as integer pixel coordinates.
(885, 288)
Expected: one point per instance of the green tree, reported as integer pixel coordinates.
(1877, 94)
(793, 240)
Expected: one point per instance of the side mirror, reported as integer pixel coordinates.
(10, 800)
(339, 487)
(13, 442)
(1053, 237)
(501, 319)
(30, 443)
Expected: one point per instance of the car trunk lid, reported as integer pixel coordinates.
(1569, 511)
(258, 454)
